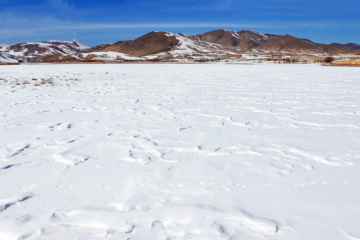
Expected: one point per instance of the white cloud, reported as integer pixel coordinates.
(60, 5)
(166, 25)
(13, 23)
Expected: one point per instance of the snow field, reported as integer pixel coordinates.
(179, 151)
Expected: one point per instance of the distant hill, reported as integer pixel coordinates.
(150, 43)
(245, 39)
(251, 40)
(350, 46)
(28, 51)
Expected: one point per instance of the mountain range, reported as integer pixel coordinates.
(217, 44)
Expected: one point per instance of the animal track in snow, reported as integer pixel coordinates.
(70, 159)
(10, 166)
(20, 150)
(14, 202)
(23, 219)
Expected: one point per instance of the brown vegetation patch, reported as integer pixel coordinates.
(346, 63)
(236, 56)
(9, 63)
(69, 58)
(51, 58)
(351, 56)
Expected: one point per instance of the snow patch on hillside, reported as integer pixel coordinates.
(195, 49)
(110, 56)
(5, 59)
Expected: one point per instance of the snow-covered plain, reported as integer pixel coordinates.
(179, 151)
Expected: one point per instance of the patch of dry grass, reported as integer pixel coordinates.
(346, 63)
(9, 63)
(351, 56)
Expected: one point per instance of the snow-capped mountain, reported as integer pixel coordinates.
(151, 46)
(213, 45)
(168, 45)
(31, 51)
(223, 43)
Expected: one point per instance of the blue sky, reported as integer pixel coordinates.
(93, 22)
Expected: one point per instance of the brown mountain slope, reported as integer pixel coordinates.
(331, 49)
(151, 43)
(219, 36)
(291, 44)
(350, 46)
(251, 40)
(97, 48)
(245, 39)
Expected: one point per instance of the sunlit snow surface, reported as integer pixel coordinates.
(171, 151)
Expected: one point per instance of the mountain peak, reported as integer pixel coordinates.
(216, 44)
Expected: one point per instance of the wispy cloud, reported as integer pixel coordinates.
(54, 27)
(22, 20)
(60, 5)
(15, 26)
(166, 25)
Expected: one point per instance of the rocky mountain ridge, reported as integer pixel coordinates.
(250, 40)
(216, 44)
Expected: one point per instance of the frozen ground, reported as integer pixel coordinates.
(210, 151)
